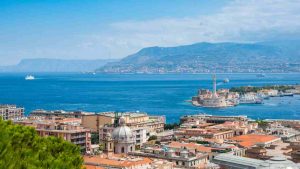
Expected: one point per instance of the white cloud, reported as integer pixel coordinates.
(240, 20)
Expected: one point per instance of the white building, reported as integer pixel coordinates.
(11, 112)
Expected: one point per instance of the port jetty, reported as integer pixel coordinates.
(241, 95)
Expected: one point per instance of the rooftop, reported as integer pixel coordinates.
(116, 161)
(250, 140)
(131, 114)
(93, 167)
(238, 160)
(198, 147)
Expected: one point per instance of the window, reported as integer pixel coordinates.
(123, 150)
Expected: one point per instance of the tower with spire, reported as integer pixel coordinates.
(214, 78)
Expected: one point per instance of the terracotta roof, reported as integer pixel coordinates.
(250, 140)
(115, 161)
(92, 167)
(70, 120)
(198, 147)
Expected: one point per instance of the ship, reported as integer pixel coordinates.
(282, 94)
(226, 80)
(29, 77)
(250, 98)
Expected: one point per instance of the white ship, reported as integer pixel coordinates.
(29, 77)
(282, 94)
(249, 98)
(226, 80)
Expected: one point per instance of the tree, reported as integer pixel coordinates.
(101, 146)
(153, 137)
(171, 126)
(262, 124)
(95, 138)
(21, 148)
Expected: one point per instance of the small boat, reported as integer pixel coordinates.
(283, 94)
(262, 96)
(226, 80)
(288, 94)
(29, 77)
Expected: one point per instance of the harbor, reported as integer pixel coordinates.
(163, 93)
(240, 95)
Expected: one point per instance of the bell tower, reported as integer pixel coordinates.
(108, 144)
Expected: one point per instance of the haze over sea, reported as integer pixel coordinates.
(156, 94)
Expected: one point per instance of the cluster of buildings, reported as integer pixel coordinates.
(199, 66)
(136, 140)
(226, 98)
(214, 98)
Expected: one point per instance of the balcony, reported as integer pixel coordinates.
(78, 136)
(79, 142)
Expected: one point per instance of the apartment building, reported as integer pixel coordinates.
(133, 120)
(66, 128)
(11, 112)
(58, 113)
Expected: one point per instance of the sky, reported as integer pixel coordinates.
(107, 29)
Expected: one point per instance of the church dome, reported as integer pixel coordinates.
(123, 133)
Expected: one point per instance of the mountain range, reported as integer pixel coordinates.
(261, 57)
(279, 56)
(55, 65)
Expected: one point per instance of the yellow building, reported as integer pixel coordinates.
(132, 119)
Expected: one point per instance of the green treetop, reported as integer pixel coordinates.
(22, 148)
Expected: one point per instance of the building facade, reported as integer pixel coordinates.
(11, 112)
(132, 119)
(65, 128)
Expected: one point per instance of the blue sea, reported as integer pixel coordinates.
(156, 94)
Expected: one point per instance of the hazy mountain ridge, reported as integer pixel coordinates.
(212, 57)
(55, 65)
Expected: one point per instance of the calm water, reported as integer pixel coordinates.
(155, 94)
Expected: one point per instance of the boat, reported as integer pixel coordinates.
(29, 77)
(250, 99)
(263, 96)
(283, 94)
(288, 94)
(226, 80)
